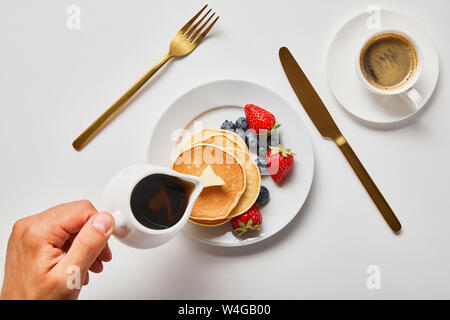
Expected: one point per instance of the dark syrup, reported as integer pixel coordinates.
(159, 201)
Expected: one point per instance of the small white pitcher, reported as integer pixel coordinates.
(116, 200)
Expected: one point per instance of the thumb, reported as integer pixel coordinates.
(90, 241)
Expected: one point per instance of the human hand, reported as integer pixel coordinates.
(49, 254)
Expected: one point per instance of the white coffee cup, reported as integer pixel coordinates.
(407, 90)
(116, 200)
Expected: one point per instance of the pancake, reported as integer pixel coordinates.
(209, 223)
(214, 202)
(233, 136)
(208, 134)
(221, 141)
(253, 184)
(249, 196)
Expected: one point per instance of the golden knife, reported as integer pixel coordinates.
(323, 121)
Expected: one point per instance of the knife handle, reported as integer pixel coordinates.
(368, 183)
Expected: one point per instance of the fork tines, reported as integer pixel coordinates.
(192, 32)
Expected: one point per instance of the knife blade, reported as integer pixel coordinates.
(325, 124)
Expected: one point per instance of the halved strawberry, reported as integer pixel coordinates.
(280, 161)
(259, 119)
(249, 220)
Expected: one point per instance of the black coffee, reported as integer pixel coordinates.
(159, 201)
(388, 61)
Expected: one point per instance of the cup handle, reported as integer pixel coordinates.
(120, 227)
(413, 97)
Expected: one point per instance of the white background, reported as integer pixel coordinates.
(54, 82)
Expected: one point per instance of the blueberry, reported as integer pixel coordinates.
(242, 123)
(240, 133)
(261, 162)
(263, 196)
(262, 150)
(251, 140)
(228, 125)
(262, 144)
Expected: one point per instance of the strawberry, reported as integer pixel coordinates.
(280, 161)
(249, 220)
(259, 119)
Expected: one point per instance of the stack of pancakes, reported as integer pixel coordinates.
(228, 156)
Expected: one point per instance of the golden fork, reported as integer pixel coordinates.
(183, 43)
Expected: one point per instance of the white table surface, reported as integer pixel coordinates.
(55, 81)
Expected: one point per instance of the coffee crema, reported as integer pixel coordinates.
(388, 61)
(159, 201)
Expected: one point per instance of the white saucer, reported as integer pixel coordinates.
(210, 105)
(349, 90)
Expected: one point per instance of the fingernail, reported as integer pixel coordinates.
(102, 222)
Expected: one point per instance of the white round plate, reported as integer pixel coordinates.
(347, 87)
(211, 104)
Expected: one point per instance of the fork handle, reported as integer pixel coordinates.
(368, 183)
(116, 107)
